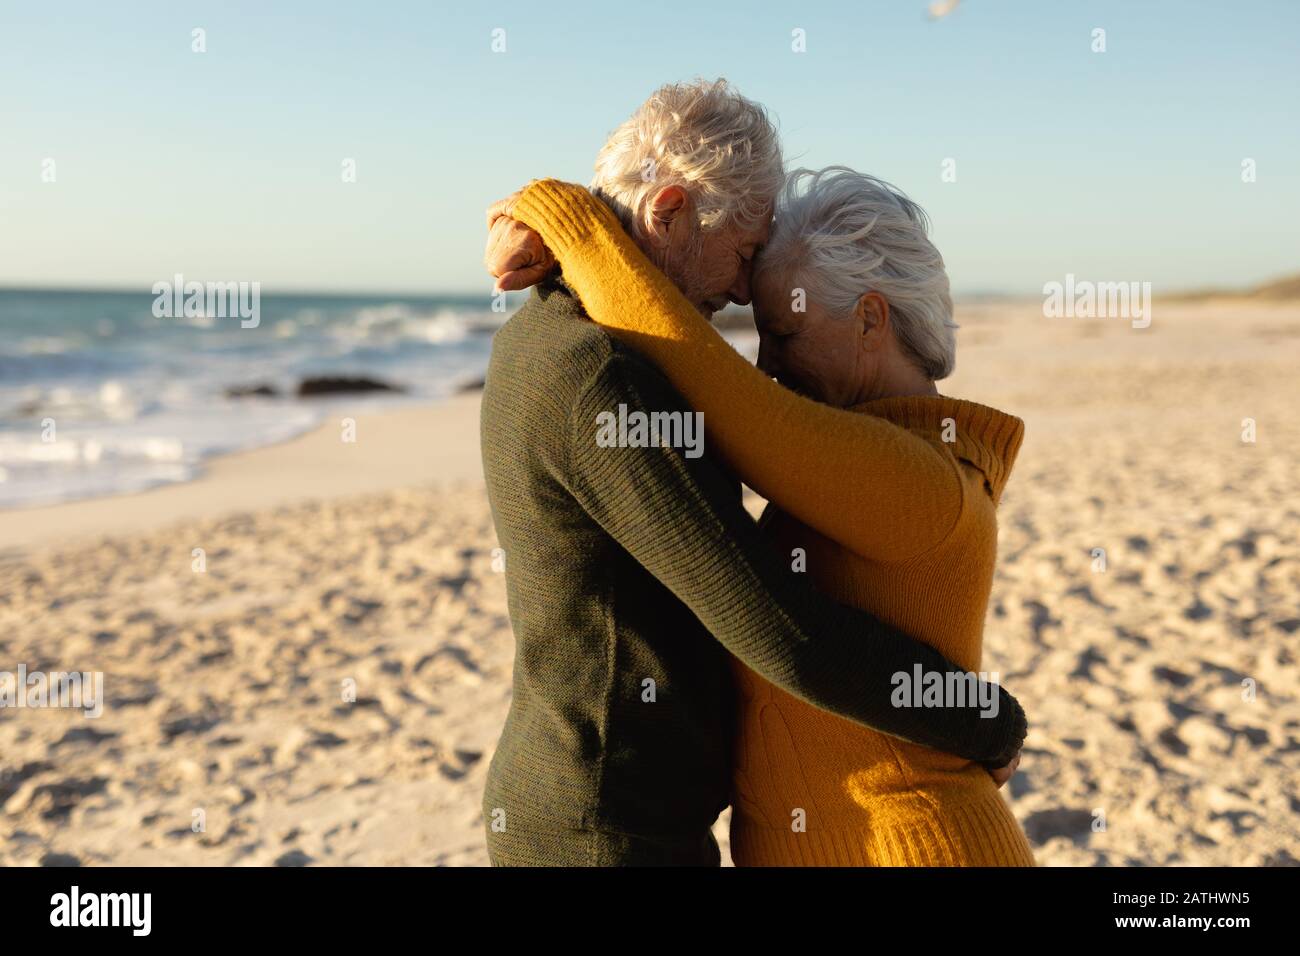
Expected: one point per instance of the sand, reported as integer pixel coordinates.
(329, 687)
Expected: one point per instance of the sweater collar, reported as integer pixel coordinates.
(983, 436)
(554, 287)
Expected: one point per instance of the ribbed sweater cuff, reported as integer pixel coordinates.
(1017, 730)
(564, 214)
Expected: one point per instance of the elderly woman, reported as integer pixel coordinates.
(883, 489)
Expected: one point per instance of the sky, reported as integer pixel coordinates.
(228, 164)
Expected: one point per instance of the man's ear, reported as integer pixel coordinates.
(872, 315)
(662, 210)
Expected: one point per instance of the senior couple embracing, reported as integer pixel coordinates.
(673, 656)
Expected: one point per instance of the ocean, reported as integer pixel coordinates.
(99, 396)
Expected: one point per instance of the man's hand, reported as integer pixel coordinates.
(1003, 774)
(515, 255)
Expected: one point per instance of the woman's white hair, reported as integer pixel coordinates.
(703, 136)
(840, 234)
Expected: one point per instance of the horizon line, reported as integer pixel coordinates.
(968, 294)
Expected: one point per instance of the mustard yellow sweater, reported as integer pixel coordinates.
(890, 518)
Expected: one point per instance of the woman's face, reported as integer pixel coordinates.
(810, 351)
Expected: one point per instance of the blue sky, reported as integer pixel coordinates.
(226, 165)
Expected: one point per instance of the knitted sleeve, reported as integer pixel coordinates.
(878, 489)
(682, 519)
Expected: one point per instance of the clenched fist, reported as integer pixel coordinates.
(1003, 774)
(515, 255)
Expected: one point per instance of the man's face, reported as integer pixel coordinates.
(714, 266)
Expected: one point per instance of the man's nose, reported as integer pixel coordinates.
(739, 291)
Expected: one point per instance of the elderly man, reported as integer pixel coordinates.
(632, 567)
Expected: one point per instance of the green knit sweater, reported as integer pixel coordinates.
(631, 572)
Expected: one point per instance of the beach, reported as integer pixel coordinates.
(306, 653)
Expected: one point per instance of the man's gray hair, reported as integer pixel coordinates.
(703, 136)
(840, 234)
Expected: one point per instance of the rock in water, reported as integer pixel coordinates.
(251, 391)
(334, 385)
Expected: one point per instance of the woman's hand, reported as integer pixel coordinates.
(515, 255)
(1003, 774)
